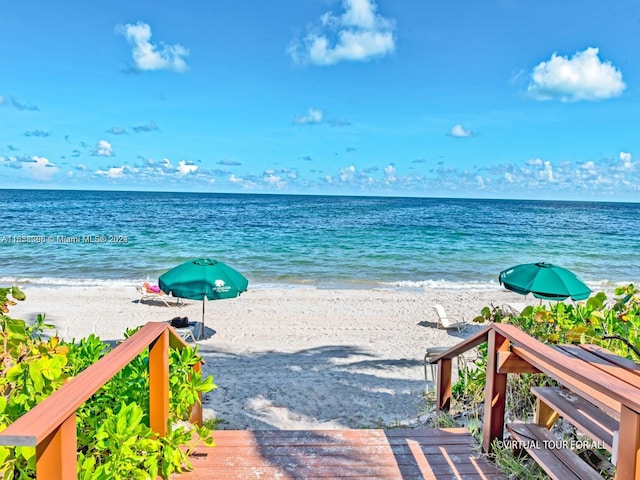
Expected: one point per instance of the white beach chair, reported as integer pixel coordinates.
(445, 322)
(514, 308)
(191, 331)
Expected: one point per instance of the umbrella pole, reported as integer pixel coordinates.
(202, 329)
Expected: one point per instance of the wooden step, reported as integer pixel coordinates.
(395, 454)
(551, 453)
(585, 416)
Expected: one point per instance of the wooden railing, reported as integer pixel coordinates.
(510, 350)
(51, 425)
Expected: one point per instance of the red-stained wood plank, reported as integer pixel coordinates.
(35, 426)
(629, 376)
(402, 454)
(611, 357)
(575, 373)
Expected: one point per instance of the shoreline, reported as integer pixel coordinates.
(354, 284)
(291, 358)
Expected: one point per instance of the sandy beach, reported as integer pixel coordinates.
(292, 357)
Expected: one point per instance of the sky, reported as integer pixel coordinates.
(430, 98)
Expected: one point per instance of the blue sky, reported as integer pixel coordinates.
(493, 99)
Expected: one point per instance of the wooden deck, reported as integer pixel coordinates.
(439, 454)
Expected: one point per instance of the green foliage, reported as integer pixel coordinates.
(614, 325)
(8, 297)
(517, 464)
(469, 388)
(114, 438)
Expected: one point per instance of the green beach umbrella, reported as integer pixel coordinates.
(203, 278)
(545, 281)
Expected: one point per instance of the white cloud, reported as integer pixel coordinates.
(112, 172)
(244, 183)
(588, 166)
(185, 168)
(274, 180)
(103, 149)
(389, 174)
(460, 131)
(347, 173)
(625, 158)
(545, 173)
(359, 34)
(534, 161)
(582, 77)
(312, 116)
(149, 56)
(40, 168)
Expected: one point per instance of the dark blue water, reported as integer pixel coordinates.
(314, 240)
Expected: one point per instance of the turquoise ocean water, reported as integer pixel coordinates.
(87, 237)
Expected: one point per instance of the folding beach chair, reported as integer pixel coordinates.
(186, 329)
(445, 322)
(148, 292)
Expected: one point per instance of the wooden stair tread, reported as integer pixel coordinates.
(587, 417)
(559, 463)
(395, 454)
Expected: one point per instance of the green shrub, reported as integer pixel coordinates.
(114, 438)
(613, 325)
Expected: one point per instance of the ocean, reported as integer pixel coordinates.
(104, 237)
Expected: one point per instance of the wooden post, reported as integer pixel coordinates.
(545, 416)
(628, 461)
(57, 455)
(495, 392)
(196, 411)
(443, 392)
(159, 384)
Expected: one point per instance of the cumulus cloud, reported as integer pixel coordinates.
(389, 174)
(150, 56)
(625, 159)
(358, 34)
(546, 172)
(589, 165)
(347, 173)
(112, 172)
(40, 168)
(460, 132)
(185, 168)
(313, 116)
(103, 149)
(582, 77)
(271, 179)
